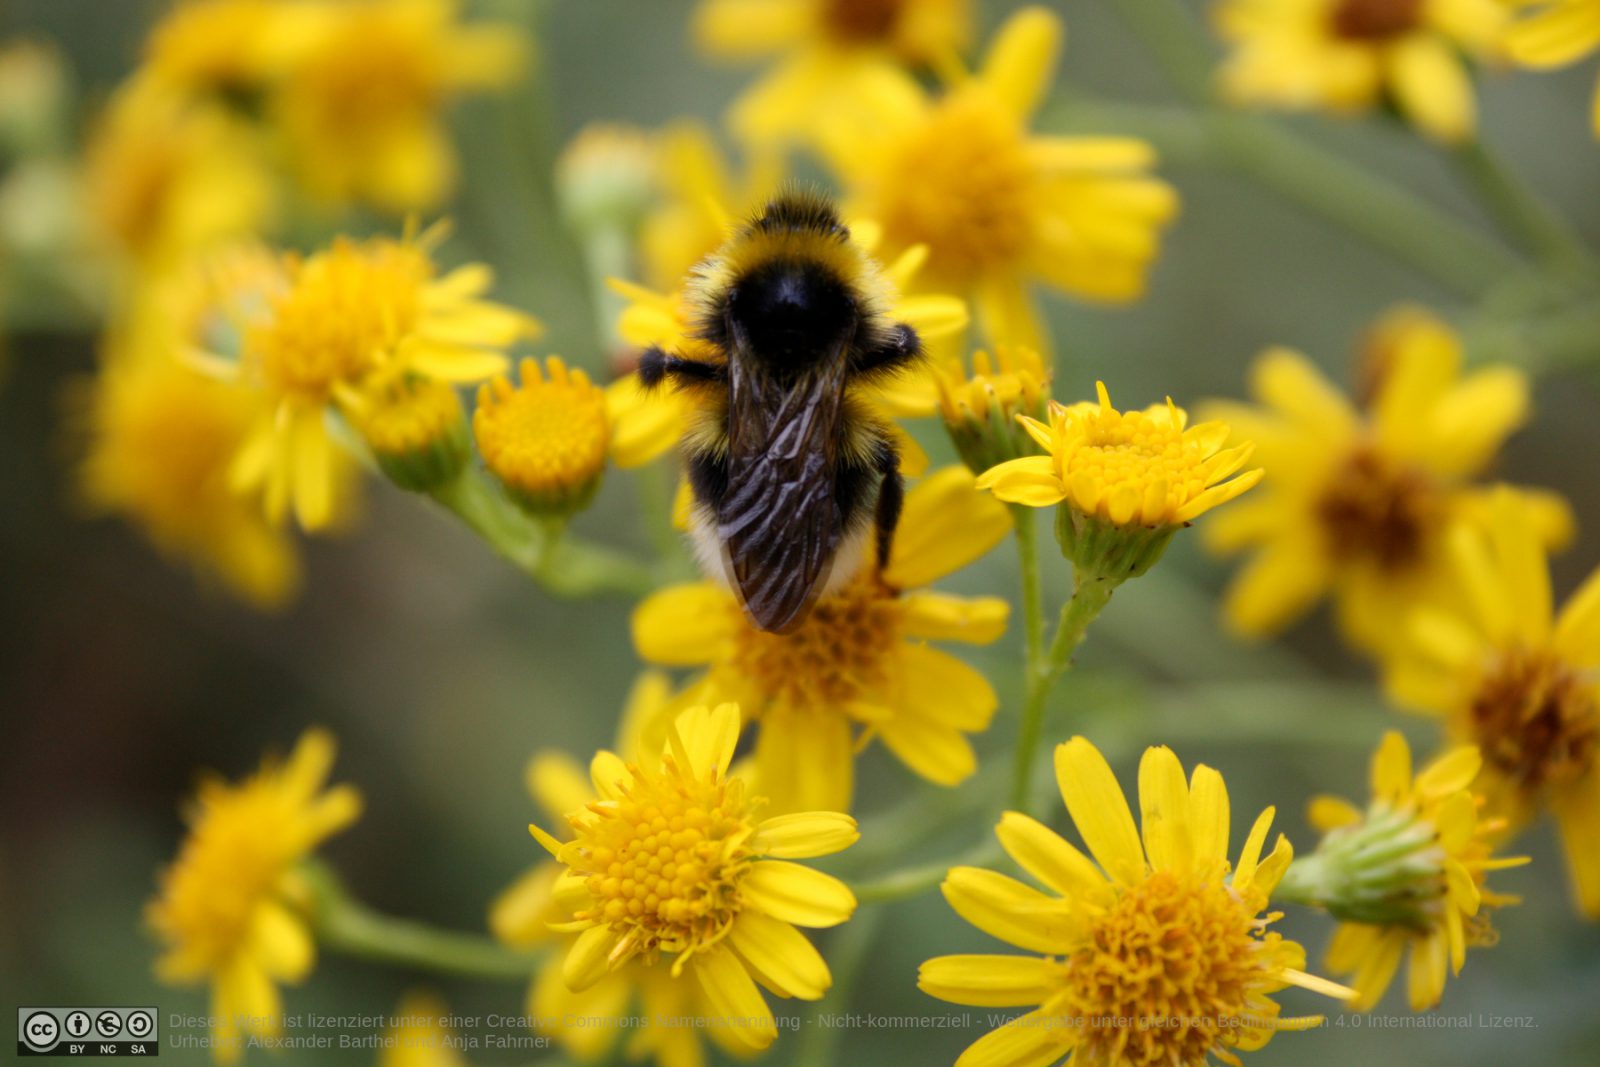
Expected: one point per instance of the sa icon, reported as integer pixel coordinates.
(140, 1023)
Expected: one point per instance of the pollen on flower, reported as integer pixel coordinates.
(411, 417)
(845, 647)
(545, 439)
(1535, 721)
(1168, 973)
(346, 309)
(861, 21)
(1377, 510)
(964, 186)
(663, 861)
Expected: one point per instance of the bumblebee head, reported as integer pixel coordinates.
(792, 310)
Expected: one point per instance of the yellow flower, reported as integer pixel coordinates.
(1134, 468)
(360, 111)
(1518, 680)
(418, 1036)
(830, 51)
(165, 179)
(522, 917)
(160, 438)
(355, 314)
(545, 439)
(858, 659)
(1155, 956)
(1407, 874)
(997, 206)
(1359, 501)
(1553, 33)
(1352, 55)
(980, 411)
(232, 48)
(672, 869)
(226, 912)
(417, 431)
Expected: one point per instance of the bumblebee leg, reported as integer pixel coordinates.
(656, 365)
(901, 349)
(891, 495)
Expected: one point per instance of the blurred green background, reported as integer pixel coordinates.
(441, 670)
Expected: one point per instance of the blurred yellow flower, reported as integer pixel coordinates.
(980, 410)
(361, 110)
(857, 660)
(165, 179)
(672, 870)
(1553, 33)
(160, 439)
(546, 438)
(1134, 468)
(230, 48)
(1155, 956)
(226, 912)
(417, 431)
(1353, 55)
(1359, 502)
(1518, 680)
(354, 314)
(418, 1036)
(1407, 875)
(829, 51)
(997, 206)
(697, 194)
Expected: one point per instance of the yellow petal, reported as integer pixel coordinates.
(1010, 910)
(709, 736)
(1021, 61)
(946, 525)
(684, 625)
(937, 687)
(589, 958)
(941, 754)
(733, 997)
(1288, 381)
(797, 894)
(1278, 585)
(1432, 87)
(991, 981)
(609, 775)
(1329, 813)
(1164, 810)
(802, 835)
(1099, 809)
(1449, 772)
(806, 762)
(557, 783)
(1250, 855)
(1391, 769)
(1044, 854)
(942, 617)
(1036, 1039)
(519, 914)
(280, 942)
(1208, 817)
(1577, 635)
(779, 955)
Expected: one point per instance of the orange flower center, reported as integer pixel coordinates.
(1378, 511)
(964, 186)
(663, 863)
(1535, 720)
(1168, 975)
(861, 21)
(841, 651)
(1374, 20)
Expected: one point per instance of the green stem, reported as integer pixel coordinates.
(563, 565)
(919, 878)
(345, 925)
(1519, 212)
(1090, 595)
(1032, 595)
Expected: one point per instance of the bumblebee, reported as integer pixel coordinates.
(790, 467)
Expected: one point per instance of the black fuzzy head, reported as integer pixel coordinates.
(792, 311)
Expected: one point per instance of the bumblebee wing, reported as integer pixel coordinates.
(779, 522)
